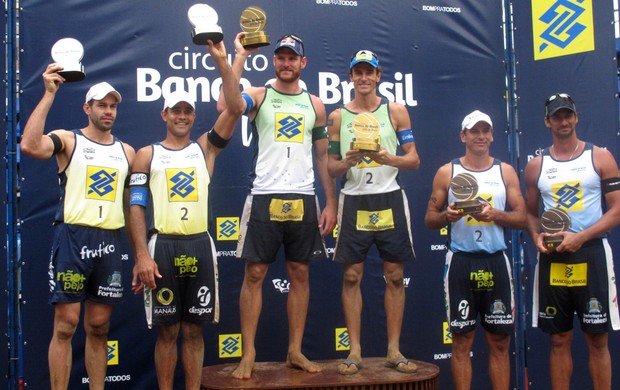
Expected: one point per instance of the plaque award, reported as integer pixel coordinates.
(552, 221)
(204, 19)
(68, 52)
(253, 21)
(366, 128)
(464, 187)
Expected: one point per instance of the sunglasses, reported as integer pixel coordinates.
(295, 38)
(558, 96)
(364, 55)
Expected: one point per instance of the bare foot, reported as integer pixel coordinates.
(245, 367)
(298, 360)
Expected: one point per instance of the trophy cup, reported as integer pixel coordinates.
(552, 221)
(366, 128)
(204, 20)
(253, 21)
(464, 187)
(68, 52)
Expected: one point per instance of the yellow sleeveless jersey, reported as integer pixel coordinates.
(179, 186)
(92, 185)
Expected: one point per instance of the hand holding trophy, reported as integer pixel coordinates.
(366, 128)
(464, 187)
(68, 52)
(253, 21)
(204, 19)
(552, 221)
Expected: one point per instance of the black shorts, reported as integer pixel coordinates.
(380, 219)
(270, 221)
(582, 282)
(85, 263)
(479, 283)
(188, 289)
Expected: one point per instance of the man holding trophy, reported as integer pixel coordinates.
(574, 273)
(282, 208)
(363, 138)
(478, 276)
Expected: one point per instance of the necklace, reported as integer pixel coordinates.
(571, 155)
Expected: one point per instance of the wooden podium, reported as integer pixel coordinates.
(275, 375)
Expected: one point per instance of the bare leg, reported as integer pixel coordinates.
(352, 309)
(96, 326)
(166, 355)
(394, 309)
(297, 306)
(66, 318)
(499, 360)
(461, 362)
(250, 306)
(599, 360)
(561, 360)
(193, 354)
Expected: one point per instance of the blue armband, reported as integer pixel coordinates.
(138, 189)
(405, 136)
(249, 103)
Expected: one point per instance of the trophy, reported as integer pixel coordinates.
(253, 21)
(366, 128)
(204, 20)
(68, 52)
(552, 221)
(464, 187)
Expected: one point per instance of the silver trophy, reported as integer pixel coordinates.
(68, 53)
(204, 19)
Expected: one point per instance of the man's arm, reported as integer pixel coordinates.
(145, 269)
(327, 221)
(224, 126)
(532, 202)
(515, 218)
(336, 164)
(607, 168)
(437, 214)
(36, 144)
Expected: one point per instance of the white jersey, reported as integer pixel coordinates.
(468, 234)
(282, 141)
(574, 186)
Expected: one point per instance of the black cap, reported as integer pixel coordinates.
(557, 102)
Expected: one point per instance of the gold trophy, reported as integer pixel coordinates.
(464, 187)
(366, 128)
(253, 21)
(552, 221)
(204, 20)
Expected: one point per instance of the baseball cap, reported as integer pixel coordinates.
(471, 119)
(364, 56)
(101, 90)
(291, 41)
(557, 102)
(178, 96)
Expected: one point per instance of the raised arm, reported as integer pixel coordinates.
(36, 144)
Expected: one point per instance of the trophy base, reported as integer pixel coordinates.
(551, 242)
(255, 39)
(202, 38)
(72, 75)
(468, 207)
(366, 146)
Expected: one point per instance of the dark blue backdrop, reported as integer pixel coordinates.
(442, 59)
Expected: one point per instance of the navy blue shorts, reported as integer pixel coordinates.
(188, 289)
(85, 263)
(479, 283)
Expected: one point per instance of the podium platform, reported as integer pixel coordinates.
(275, 375)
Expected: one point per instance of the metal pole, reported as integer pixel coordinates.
(12, 186)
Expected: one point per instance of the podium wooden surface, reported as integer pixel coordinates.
(275, 375)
